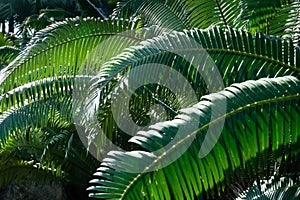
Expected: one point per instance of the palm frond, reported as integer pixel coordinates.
(56, 144)
(267, 16)
(4, 41)
(286, 22)
(202, 14)
(34, 104)
(250, 145)
(238, 55)
(7, 55)
(167, 15)
(20, 171)
(64, 47)
(259, 14)
(284, 188)
(178, 15)
(39, 134)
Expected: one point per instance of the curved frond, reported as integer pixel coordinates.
(267, 16)
(178, 15)
(238, 55)
(202, 14)
(211, 44)
(250, 146)
(20, 171)
(57, 143)
(34, 104)
(64, 47)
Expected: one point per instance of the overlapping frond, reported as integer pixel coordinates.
(47, 140)
(64, 47)
(260, 137)
(238, 55)
(44, 72)
(267, 16)
(248, 148)
(178, 15)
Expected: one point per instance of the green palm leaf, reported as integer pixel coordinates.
(45, 70)
(267, 16)
(19, 171)
(250, 145)
(40, 97)
(7, 55)
(239, 56)
(260, 13)
(34, 99)
(260, 136)
(177, 15)
(286, 22)
(63, 47)
(39, 136)
(284, 188)
(203, 14)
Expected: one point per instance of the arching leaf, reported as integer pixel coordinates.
(248, 148)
